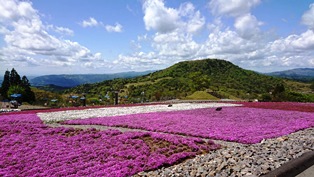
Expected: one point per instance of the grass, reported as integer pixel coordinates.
(201, 95)
(298, 86)
(146, 82)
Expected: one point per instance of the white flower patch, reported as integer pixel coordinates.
(115, 111)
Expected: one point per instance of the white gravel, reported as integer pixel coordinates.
(115, 111)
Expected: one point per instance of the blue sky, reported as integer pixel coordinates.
(78, 36)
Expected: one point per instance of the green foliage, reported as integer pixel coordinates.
(5, 85)
(44, 97)
(13, 83)
(15, 89)
(266, 97)
(201, 95)
(312, 86)
(298, 97)
(279, 93)
(15, 78)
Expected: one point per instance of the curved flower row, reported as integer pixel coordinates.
(240, 124)
(113, 111)
(30, 148)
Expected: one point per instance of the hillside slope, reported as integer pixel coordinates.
(185, 78)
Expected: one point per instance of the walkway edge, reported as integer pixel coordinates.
(293, 167)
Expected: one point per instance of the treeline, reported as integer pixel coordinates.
(14, 84)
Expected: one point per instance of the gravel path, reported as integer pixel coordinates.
(236, 159)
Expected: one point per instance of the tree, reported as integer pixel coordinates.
(5, 85)
(12, 83)
(15, 89)
(15, 78)
(29, 95)
(279, 92)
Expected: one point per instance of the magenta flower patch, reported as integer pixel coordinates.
(239, 124)
(30, 148)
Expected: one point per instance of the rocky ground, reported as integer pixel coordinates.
(235, 159)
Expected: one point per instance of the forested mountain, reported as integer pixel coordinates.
(219, 78)
(72, 80)
(300, 74)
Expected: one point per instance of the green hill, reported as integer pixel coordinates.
(220, 78)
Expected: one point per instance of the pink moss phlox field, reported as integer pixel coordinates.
(30, 148)
(239, 124)
(290, 106)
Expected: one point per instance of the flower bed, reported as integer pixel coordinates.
(290, 106)
(30, 148)
(239, 124)
(114, 111)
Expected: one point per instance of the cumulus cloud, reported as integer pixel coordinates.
(139, 61)
(158, 17)
(26, 37)
(234, 8)
(195, 21)
(175, 45)
(91, 22)
(117, 28)
(164, 19)
(247, 26)
(246, 44)
(308, 17)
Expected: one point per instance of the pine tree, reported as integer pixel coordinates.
(29, 95)
(5, 85)
(12, 83)
(15, 78)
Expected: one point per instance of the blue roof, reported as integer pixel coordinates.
(16, 95)
(74, 96)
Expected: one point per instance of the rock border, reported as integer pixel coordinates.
(293, 167)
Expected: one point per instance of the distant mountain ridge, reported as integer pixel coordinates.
(72, 80)
(298, 74)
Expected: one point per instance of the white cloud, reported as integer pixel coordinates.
(158, 17)
(139, 61)
(247, 26)
(247, 45)
(294, 43)
(60, 30)
(91, 22)
(63, 30)
(117, 28)
(308, 17)
(175, 45)
(163, 19)
(27, 38)
(232, 8)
